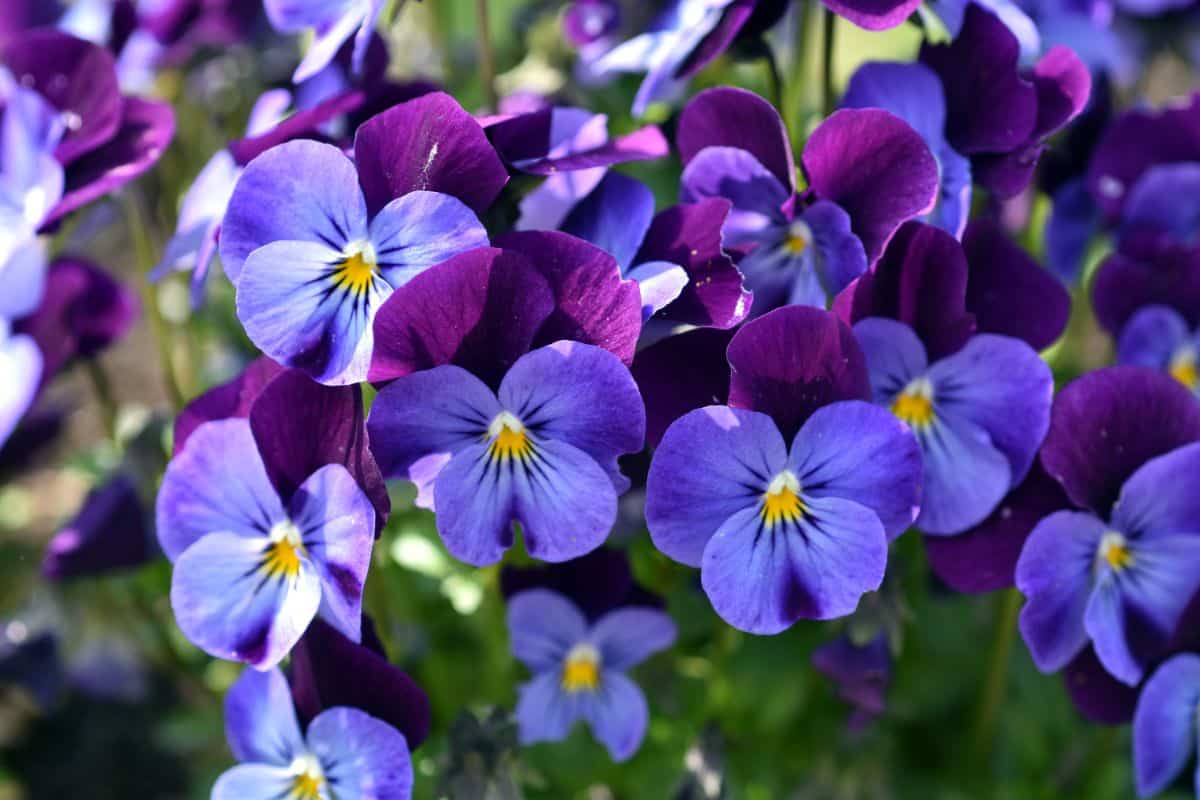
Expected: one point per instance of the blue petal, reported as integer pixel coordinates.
(1074, 220)
(230, 607)
(628, 636)
(363, 758)
(260, 719)
(954, 197)
(20, 377)
(840, 255)
(475, 501)
(617, 714)
(543, 626)
(252, 782)
(545, 713)
(329, 40)
(421, 229)
(1151, 336)
(22, 269)
(912, 92)
(894, 353)
(1162, 497)
(1164, 724)
(293, 309)
(966, 477)
(614, 216)
(564, 500)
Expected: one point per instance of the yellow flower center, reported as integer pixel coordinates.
(914, 405)
(1115, 552)
(1183, 367)
(356, 273)
(509, 438)
(282, 556)
(308, 780)
(781, 502)
(581, 669)
(798, 239)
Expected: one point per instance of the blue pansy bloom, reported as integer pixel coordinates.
(1159, 337)
(334, 22)
(316, 242)
(251, 572)
(343, 754)
(579, 669)
(1164, 724)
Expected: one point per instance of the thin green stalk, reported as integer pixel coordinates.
(102, 386)
(487, 54)
(995, 687)
(828, 26)
(774, 80)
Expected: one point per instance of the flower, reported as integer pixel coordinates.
(343, 753)
(579, 669)
(315, 242)
(334, 23)
(542, 450)
(1159, 337)
(251, 572)
(1164, 724)
(785, 533)
(803, 249)
(1119, 568)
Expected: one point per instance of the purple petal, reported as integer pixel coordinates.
(1164, 724)
(874, 15)
(617, 714)
(966, 475)
(421, 229)
(229, 400)
(1064, 85)
(1098, 696)
(817, 568)
(1009, 292)
(545, 713)
(1163, 202)
(859, 452)
(1054, 573)
(428, 143)
(1151, 336)
(712, 463)
(679, 374)
(984, 558)
(614, 217)
(690, 236)
(216, 483)
(593, 305)
(862, 673)
(922, 281)
(475, 519)
(730, 117)
(226, 605)
(260, 722)
(366, 758)
(628, 636)
(300, 426)
(306, 123)
(596, 583)
(108, 533)
(1124, 283)
(792, 361)
(1108, 423)
(533, 142)
(1074, 220)
(855, 151)
(500, 303)
(543, 626)
(757, 195)
(146, 129)
(323, 659)
(276, 199)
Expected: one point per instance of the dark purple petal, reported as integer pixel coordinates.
(329, 670)
(108, 533)
(300, 426)
(428, 143)
(1063, 86)
(304, 124)
(922, 280)
(855, 152)
(21, 15)
(231, 399)
(1125, 283)
(861, 672)
(1008, 292)
(593, 304)
(990, 107)
(729, 117)
(791, 361)
(718, 40)
(1098, 696)
(529, 140)
(78, 78)
(690, 236)
(1108, 423)
(679, 374)
(500, 300)
(874, 15)
(597, 583)
(984, 558)
(147, 127)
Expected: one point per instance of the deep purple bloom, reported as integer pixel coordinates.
(315, 242)
(108, 533)
(803, 249)
(251, 573)
(782, 533)
(997, 114)
(679, 374)
(1164, 725)
(1159, 337)
(1119, 572)
(343, 752)
(861, 672)
(333, 22)
(596, 583)
(541, 450)
(579, 669)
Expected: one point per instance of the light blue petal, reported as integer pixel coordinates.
(329, 41)
(363, 758)
(253, 782)
(260, 719)
(420, 229)
(966, 476)
(628, 636)
(20, 376)
(1164, 724)
(660, 283)
(543, 626)
(1151, 336)
(545, 713)
(617, 713)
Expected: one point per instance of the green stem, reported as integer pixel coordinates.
(774, 80)
(828, 27)
(996, 685)
(487, 55)
(104, 395)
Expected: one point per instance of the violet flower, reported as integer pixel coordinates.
(343, 752)
(1119, 569)
(1164, 724)
(1159, 337)
(803, 249)
(783, 533)
(333, 22)
(579, 669)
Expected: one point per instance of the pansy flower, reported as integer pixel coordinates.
(579, 668)
(1118, 569)
(786, 498)
(803, 249)
(333, 23)
(315, 242)
(1164, 724)
(343, 752)
(1159, 337)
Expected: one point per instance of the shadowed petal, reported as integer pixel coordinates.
(736, 175)
(679, 374)
(614, 217)
(229, 400)
(1150, 337)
